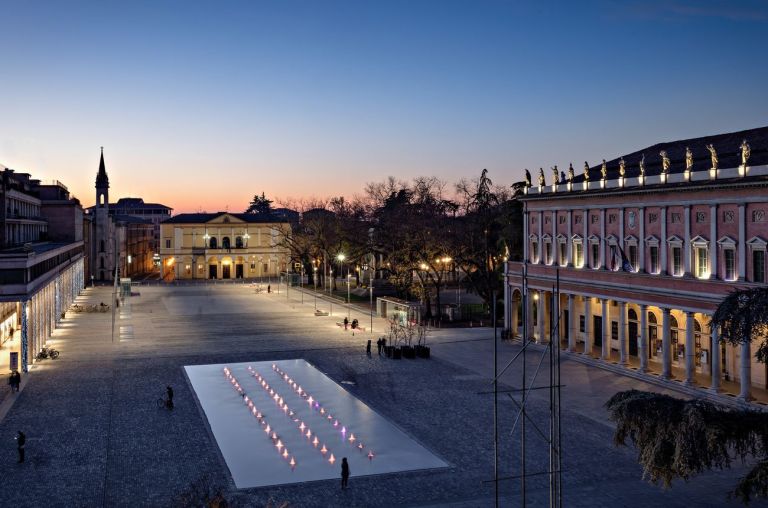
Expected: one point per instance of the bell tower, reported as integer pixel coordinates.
(103, 242)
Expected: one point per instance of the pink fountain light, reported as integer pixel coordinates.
(332, 459)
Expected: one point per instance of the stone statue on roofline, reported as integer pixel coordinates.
(746, 151)
(713, 154)
(642, 165)
(555, 176)
(570, 172)
(586, 171)
(527, 178)
(665, 163)
(688, 159)
(562, 176)
(542, 183)
(604, 170)
(623, 167)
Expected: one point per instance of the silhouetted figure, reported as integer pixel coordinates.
(378, 345)
(344, 473)
(21, 440)
(368, 348)
(169, 397)
(346, 323)
(15, 381)
(269, 288)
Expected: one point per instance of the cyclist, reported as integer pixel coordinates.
(169, 397)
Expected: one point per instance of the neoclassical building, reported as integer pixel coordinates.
(646, 246)
(223, 245)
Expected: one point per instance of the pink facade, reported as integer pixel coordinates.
(642, 264)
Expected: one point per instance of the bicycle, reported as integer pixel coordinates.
(164, 403)
(47, 352)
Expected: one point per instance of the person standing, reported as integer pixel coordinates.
(169, 397)
(21, 440)
(344, 473)
(346, 323)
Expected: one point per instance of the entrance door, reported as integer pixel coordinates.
(211, 271)
(565, 333)
(239, 271)
(597, 327)
(225, 272)
(632, 338)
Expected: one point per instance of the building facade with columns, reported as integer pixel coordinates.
(223, 245)
(645, 247)
(41, 262)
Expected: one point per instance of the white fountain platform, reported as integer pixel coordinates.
(255, 457)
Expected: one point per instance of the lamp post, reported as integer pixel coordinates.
(348, 306)
(370, 292)
(314, 269)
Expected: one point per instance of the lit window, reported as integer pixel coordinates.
(534, 252)
(563, 253)
(548, 253)
(578, 254)
(702, 263)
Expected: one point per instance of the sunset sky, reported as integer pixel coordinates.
(201, 105)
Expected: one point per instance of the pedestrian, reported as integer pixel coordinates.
(378, 345)
(12, 379)
(15, 380)
(344, 473)
(169, 395)
(368, 348)
(21, 439)
(346, 323)
(269, 288)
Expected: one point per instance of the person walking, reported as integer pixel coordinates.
(344, 473)
(378, 345)
(269, 288)
(21, 440)
(346, 323)
(169, 397)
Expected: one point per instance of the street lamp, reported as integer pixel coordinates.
(314, 269)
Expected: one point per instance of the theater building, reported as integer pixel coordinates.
(646, 246)
(223, 245)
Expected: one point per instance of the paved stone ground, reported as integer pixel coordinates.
(96, 437)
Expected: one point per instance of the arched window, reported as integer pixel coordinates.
(632, 315)
(238, 242)
(101, 200)
(225, 243)
(214, 244)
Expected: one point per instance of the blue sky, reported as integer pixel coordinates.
(202, 105)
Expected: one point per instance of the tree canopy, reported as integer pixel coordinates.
(260, 205)
(681, 438)
(743, 317)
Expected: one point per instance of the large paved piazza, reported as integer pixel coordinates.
(96, 437)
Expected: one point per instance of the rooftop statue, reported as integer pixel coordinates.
(570, 172)
(562, 176)
(623, 167)
(642, 165)
(746, 151)
(713, 153)
(542, 183)
(688, 159)
(527, 178)
(665, 163)
(604, 170)
(554, 176)
(586, 171)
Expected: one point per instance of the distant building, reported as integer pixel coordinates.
(223, 246)
(646, 247)
(127, 240)
(41, 260)
(136, 207)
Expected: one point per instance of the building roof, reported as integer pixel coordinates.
(137, 203)
(726, 145)
(130, 219)
(202, 218)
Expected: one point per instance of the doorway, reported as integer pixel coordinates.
(239, 271)
(632, 329)
(597, 328)
(225, 272)
(212, 271)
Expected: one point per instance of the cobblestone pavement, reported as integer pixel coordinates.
(96, 437)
